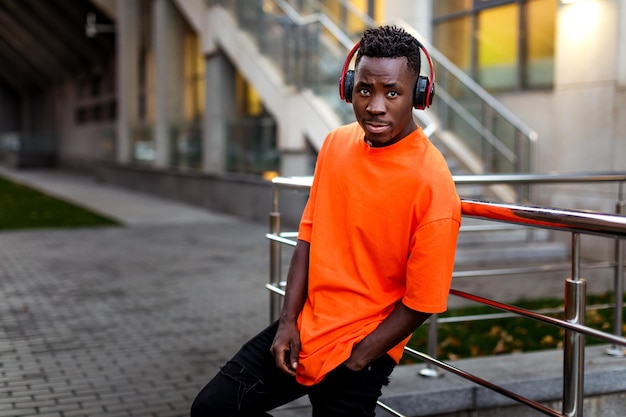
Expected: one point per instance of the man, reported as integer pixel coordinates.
(373, 260)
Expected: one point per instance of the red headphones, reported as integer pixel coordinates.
(424, 88)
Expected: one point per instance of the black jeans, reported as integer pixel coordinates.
(250, 385)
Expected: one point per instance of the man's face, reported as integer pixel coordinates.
(382, 99)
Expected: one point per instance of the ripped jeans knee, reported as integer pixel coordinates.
(233, 390)
(248, 385)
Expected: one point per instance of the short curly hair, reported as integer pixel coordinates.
(390, 42)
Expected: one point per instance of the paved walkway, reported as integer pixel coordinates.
(124, 321)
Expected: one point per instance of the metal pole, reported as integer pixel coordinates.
(275, 257)
(618, 285)
(574, 343)
(431, 370)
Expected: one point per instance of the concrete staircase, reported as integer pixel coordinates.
(489, 244)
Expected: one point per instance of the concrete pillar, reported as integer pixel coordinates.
(584, 86)
(127, 81)
(219, 110)
(417, 13)
(621, 44)
(294, 157)
(9, 110)
(168, 47)
(296, 164)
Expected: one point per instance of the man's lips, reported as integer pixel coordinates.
(376, 127)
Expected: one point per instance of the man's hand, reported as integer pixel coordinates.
(286, 345)
(397, 326)
(353, 362)
(286, 348)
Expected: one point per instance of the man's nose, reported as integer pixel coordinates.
(376, 104)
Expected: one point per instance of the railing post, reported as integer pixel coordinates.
(431, 370)
(618, 286)
(574, 342)
(275, 257)
(486, 147)
(261, 29)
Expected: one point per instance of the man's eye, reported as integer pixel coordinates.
(364, 92)
(392, 94)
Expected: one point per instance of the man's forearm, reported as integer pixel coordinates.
(394, 329)
(286, 345)
(297, 282)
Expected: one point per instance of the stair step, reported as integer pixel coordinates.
(503, 254)
(516, 235)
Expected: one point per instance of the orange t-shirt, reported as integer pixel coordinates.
(382, 224)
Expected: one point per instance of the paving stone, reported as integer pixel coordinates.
(124, 321)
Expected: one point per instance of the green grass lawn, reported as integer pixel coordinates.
(22, 207)
(508, 335)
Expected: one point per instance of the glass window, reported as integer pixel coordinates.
(454, 39)
(504, 45)
(497, 37)
(540, 43)
(444, 7)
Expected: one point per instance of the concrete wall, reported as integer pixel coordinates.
(79, 145)
(245, 196)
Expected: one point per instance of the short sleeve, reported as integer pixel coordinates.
(430, 266)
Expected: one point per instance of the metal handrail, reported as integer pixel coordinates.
(320, 18)
(304, 182)
(576, 222)
(477, 125)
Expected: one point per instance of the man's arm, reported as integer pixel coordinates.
(394, 329)
(286, 345)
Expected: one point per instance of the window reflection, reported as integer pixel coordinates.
(497, 38)
(504, 45)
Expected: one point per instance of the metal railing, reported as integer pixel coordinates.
(576, 222)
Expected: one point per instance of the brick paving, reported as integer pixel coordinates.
(124, 321)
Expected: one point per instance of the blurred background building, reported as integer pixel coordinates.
(191, 99)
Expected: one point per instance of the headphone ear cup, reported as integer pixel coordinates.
(348, 86)
(424, 92)
(431, 95)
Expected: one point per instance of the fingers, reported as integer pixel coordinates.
(286, 348)
(293, 357)
(283, 360)
(286, 358)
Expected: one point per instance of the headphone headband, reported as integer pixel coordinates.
(344, 71)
